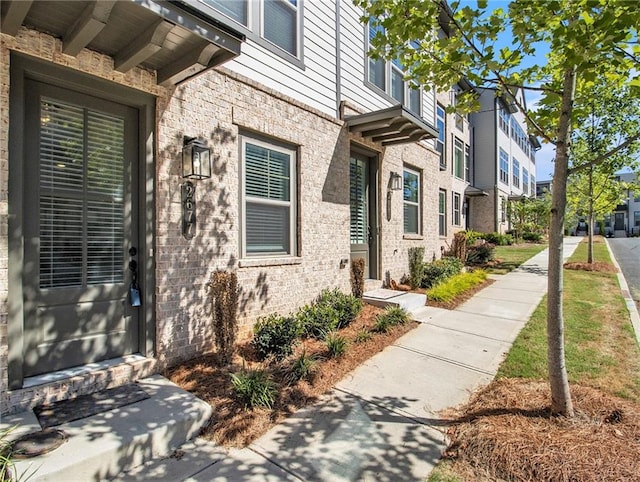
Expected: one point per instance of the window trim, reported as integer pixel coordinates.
(292, 203)
(253, 30)
(456, 211)
(417, 204)
(442, 212)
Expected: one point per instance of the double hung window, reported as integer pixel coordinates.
(504, 167)
(456, 209)
(525, 180)
(458, 158)
(441, 124)
(268, 199)
(516, 172)
(389, 77)
(411, 200)
(272, 22)
(442, 212)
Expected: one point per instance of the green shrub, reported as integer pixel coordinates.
(498, 239)
(439, 270)
(275, 336)
(390, 317)
(346, 306)
(303, 367)
(480, 253)
(336, 344)
(317, 320)
(416, 266)
(532, 237)
(456, 285)
(363, 335)
(472, 237)
(254, 388)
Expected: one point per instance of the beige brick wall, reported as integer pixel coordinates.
(220, 106)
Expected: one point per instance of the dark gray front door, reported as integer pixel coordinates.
(81, 160)
(619, 222)
(363, 213)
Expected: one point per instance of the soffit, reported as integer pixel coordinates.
(394, 125)
(163, 36)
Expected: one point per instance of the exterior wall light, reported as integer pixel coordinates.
(196, 159)
(395, 183)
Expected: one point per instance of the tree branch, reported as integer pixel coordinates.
(606, 155)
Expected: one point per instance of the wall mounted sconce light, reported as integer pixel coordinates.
(196, 159)
(395, 182)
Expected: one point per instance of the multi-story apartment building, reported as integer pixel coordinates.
(625, 219)
(146, 144)
(506, 154)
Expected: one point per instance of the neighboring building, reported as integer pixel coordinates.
(318, 155)
(625, 219)
(543, 187)
(504, 158)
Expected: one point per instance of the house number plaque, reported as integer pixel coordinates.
(188, 210)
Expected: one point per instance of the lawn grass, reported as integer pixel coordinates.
(601, 350)
(510, 257)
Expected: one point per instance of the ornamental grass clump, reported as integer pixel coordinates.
(336, 344)
(254, 388)
(392, 316)
(456, 285)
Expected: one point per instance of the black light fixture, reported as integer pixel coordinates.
(395, 181)
(196, 159)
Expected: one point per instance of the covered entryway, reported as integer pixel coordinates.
(80, 223)
(363, 205)
(619, 222)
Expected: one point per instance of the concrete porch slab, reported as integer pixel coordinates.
(103, 445)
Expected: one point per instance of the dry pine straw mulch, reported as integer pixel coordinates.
(595, 266)
(232, 425)
(506, 432)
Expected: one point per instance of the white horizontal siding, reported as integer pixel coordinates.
(352, 68)
(315, 84)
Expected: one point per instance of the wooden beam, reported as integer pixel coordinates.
(14, 15)
(190, 64)
(143, 47)
(93, 19)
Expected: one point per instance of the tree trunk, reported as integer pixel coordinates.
(590, 226)
(558, 380)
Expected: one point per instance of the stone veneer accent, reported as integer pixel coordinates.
(220, 106)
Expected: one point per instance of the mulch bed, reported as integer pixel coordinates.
(232, 425)
(507, 432)
(595, 266)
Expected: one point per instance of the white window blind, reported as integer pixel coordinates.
(81, 196)
(358, 201)
(280, 24)
(268, 185)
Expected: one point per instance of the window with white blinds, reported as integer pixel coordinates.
(411, 201)
(269, 199)
(358, 200)
(81, 196)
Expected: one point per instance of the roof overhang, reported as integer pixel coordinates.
(471, 191)
(535, 142)
(394, 125)
(170, 38)
(519, 197)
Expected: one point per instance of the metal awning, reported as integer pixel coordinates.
(474, 192)
(167, 37)
(394, 125)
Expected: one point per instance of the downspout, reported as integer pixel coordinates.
(338, 67)
(495, 165)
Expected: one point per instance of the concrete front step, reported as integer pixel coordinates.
(384, 297)
(103, 445)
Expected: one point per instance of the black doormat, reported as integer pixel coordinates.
(84, 406)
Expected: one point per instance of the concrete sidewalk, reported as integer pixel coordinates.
(382, 421)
